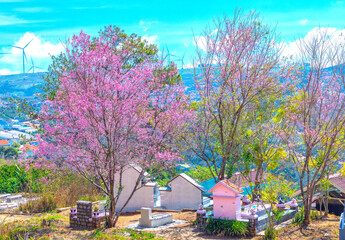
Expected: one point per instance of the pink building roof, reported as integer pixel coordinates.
(229, 185)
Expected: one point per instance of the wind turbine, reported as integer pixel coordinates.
(24, 55)
(180, 60)
(170, 55)
(33, 66)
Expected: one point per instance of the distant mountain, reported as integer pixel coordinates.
(26, 85)
(20, 85)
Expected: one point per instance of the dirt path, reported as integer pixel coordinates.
(319, 229)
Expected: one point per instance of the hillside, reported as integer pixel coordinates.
(26, 85)
(20, 85)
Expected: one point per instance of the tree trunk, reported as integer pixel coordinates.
(112, 213)
(221, 174)
(307, 210)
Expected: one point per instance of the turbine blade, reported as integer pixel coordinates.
(28, 43)
(32, 61)
(17, 47)
(29, 69)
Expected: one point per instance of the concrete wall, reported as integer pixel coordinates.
(143, 197)
(183, 195)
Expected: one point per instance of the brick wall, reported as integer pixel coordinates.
(82, 217)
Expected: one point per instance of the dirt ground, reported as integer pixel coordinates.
(326, 228)
(319, 229)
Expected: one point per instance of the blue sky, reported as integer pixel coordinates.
(168, 23)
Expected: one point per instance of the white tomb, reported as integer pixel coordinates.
(150, 220)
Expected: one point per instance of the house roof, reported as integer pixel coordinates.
(139, 169)
(27, 147)
(4, 143)
(338, 181)
(229, 185)
(190, 180)
(239, 180)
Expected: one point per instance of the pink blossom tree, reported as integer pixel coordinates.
(239, 64)
(105, 116)
(315, 116)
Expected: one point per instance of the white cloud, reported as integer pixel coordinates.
(147, 24)
(32, 9)
(6, 20)
(201, 43)
(337, 37)
(188, 65)
(151, 39)
(186, 44)
(303, 21)
(38, 49)
(6, 71)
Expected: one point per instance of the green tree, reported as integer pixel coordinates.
(200, 173)
(275, 187)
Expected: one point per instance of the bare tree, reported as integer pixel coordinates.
(239, 62)
(316, 114)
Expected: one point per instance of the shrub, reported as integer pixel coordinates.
(299, 217)
(226, 227)
(278, 214)
(14, 179)
(43, 204)
(63, 191)
(270, 234)
(314, 215)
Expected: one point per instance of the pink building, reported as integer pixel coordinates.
(226, 200)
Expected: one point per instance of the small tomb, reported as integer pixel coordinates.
(83, 217)
(150, 220)
(4, 196)
(16, 198)
(226, 200)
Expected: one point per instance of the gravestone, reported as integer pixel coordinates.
(150, 220)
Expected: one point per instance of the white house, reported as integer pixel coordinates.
(143, 197)
(183, 193)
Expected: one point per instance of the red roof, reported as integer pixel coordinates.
(4, 143)
(27, 148)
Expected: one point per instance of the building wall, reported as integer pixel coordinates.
(224, 208)
(222, 190)
(143, 197)
(183, 195)
(226, 203)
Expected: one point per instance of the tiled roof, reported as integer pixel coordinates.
(338, 181)
(233, 186)
(227, 184)
(4, 142)
(239, 180)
